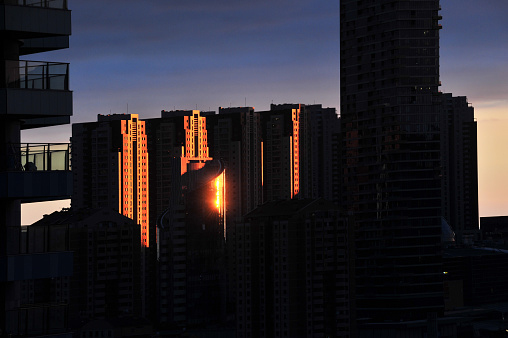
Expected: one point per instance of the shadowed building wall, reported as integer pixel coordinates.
(391, 123)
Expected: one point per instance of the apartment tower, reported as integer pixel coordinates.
(390, 115)
(110, 167)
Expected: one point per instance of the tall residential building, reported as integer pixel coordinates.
(177, 143)
(319, 150)
(187, 188)
(294, 271)
(391, 124)
(460, 168)
(280, 152)
(234, 137)
(110, 168)
(299, 152)
(33, 94)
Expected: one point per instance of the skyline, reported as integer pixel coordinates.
(167, 55)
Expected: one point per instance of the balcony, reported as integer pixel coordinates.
(35, 19)
(36, 172)
(37, 75)
(36, 90)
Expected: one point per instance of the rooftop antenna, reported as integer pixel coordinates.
(245, 102)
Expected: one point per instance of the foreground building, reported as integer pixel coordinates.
(391, 122)
(33, 94)
(294, 277)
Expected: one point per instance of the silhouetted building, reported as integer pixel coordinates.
(188, 189)
(293, 261)
(475, 276)
(234, 137)
(495, 229)
(319, 150)
(460, 168)
(192, 270)
(108, 270)
(391, 123)
(33, 94)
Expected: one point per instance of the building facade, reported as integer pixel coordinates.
(280, 153)
(391, 123)
(460, 168)
(33, 94)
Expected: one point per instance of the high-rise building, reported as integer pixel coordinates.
(293, 266)
(234, 137)
(391, 125)
(299, 149)
(177, 143)
(188, 188)
(460, 168)
(33, 94)
(280, 153)
(319, 148)
(110, 168)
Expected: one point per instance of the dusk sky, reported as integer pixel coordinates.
(144, 56)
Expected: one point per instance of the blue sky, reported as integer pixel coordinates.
(150, 55)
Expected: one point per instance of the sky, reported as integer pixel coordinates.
(142, 57)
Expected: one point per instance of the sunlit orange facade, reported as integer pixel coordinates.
(133, 175)
(195, 150)
(219, 184)
(295, 153)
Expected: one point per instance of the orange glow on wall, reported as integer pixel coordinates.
(133, 174)
(196, 141)
(262, 168)
(218, 193)
(219, 184)
(295, 153)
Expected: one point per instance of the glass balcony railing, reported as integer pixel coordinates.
(59, 4)
(39, 156)
(37, 75)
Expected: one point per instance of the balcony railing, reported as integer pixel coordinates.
(39, 156)
(37, 75)
(59, 4)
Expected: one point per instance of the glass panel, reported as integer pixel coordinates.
(37, 75)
